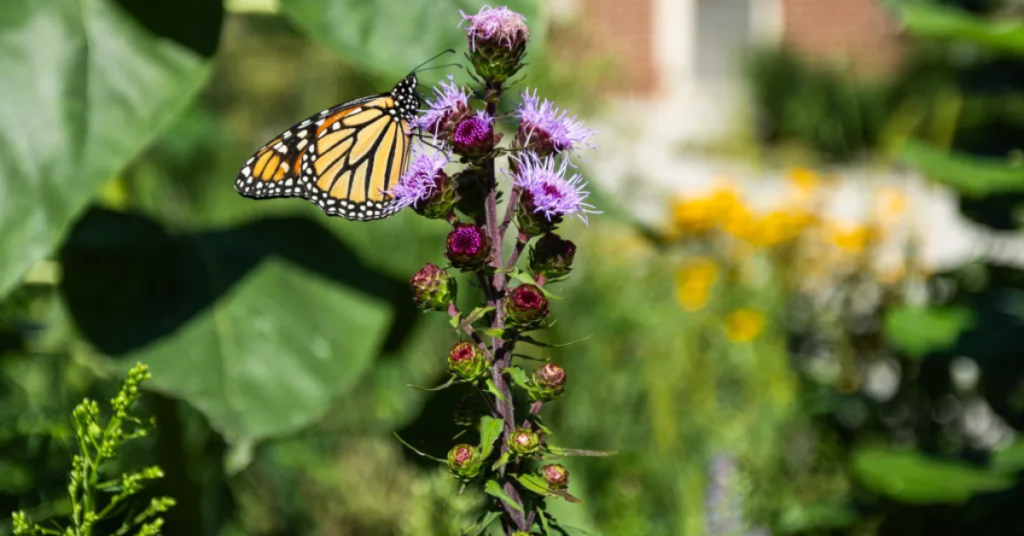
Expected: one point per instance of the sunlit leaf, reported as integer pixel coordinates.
(490, 431)
(87, 84)
(493, 489)
(927, 19)
(912, 478)
(972, 176)
(918, 331)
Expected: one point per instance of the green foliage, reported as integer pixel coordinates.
(971, 176)
(919, 331)
(94, 86)
(912, 478)
(94, 499)
(943, 22)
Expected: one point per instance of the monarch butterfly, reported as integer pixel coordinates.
(344, 159)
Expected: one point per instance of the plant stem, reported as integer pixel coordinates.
(502, 350)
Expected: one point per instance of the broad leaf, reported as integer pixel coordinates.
(972, 176)
(490, 431)
(87, 84)
(911, 478)
(392, 37)
(937, 21)
(918, 331)
(260, 346)
(493, 489)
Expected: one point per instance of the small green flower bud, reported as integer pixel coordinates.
(432, 288)
(526, 305)
(466, 361)
(550, 381)
(552, 256)
(465, 461)
(555, 475)
(524, 442)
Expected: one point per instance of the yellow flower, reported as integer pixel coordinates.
(851, 238)
(891, 204)
(693, 215)
(805, 183)
(744, 325)
(694, 282)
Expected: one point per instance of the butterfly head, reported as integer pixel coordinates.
(406, 99)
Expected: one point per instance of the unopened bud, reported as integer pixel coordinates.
(466, 361)
(555, 475)
(432, 288)
(526, 305)
(524, 442)
(465, 461)
(552, 256)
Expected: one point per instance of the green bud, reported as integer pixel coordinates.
(524, 442)
(467, 362)
(432, 288)
(465, 461)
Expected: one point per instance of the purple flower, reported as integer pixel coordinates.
(546, 190)
(548, 129)
(468, 246)
(450, 100)
(474, 134)
(496, 25)
(423, 179)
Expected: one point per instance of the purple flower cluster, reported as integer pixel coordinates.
(423, 178)
(548, 190)
(548, 129)
(498, 25)
(450, 100)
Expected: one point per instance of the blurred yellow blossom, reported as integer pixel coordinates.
(805, 183)
(852, 238)
(744, 325)
(891, 204)
(694, 282)
(693, 215)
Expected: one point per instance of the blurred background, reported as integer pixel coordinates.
(805, 293)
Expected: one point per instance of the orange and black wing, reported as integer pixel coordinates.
(343, 159)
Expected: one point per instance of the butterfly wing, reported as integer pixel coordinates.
(343, 160)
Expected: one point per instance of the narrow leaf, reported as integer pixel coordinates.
(579, 452)
(490, 431)
(528, 279)
(493, 489)
(534, 483)
(518, 377)
(535, 342)
(417, 451)
(501, 461)
(493, 389)
(451, 381)
(492, 332)
(566, 496)
(481, 525)
(455, 320)
(543, 521)
(475, 315)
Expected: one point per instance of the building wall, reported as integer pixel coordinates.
(859, 32)
(626, 30)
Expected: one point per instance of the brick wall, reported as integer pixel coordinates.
(625, 29)
(858, 31)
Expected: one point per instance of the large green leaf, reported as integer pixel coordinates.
(259, 346)
(392, 37)
(911, 478)
(86, 84)
(934, 20)
(918, 331)
(970, 175)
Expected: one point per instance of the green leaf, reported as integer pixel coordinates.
(421, 453)
(525, 277)
(473, 316)
(493, 489)
(455, 321)
(530, 340)
(88, 84)
(918, 331)
(534, 483)
(559, 451)
(493, 389)
(1009, 459)
(941, 22)
(478, 528)
(972, 176)
(227, 320)
(451, 381)
(492, 332)
(490, 431)
(502, 460)
(911, 478)
(394, 36)
(518, 377)
(543, 521)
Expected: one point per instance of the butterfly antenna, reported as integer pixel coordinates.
(449, 51)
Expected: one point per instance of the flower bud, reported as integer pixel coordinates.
(555, 475)
(468, 246)
(530, 220)
(465, 461)
(432, 288)
(474, 135)
(469, 410)
(552, 256)
(551, 376)
(466, 361)
(497, 42)
(526, 305)
(524, 442)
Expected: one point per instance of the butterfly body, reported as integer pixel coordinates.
(344, 159)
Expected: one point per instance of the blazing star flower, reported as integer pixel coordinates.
(547, 191)
(424, 178)
(450, 101)
(547, 129)
(499, 26)
(474, 134)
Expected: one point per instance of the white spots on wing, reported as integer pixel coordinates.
(303, 133)
(336, 126)
(302, 145)
(285, 167)
(245, 171)
(287, 135)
